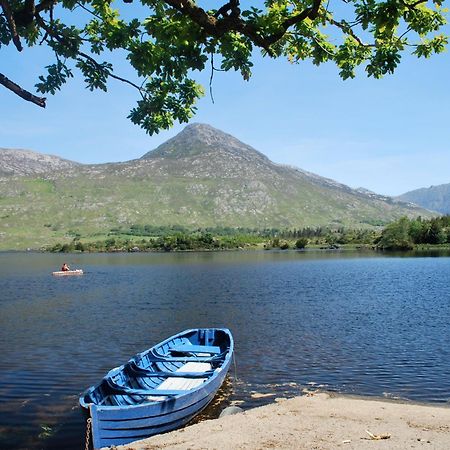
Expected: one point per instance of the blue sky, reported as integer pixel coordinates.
(389, 136)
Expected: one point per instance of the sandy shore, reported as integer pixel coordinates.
(315, 421)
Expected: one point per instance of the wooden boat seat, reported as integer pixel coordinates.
(120, 389)
(140, 371)
(186, 383)
(174, 385)
(190, 348)
(154, 356)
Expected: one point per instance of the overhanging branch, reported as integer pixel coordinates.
(110, 74)
(217, 26)
(308, 13)
(7, 11)
(45, 4)
(346, 28)
(80, 54)
(28, 96)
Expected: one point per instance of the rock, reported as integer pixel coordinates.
(230, 411)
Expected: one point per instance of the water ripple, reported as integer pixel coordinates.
(369, 326)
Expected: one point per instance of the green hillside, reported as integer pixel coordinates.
(217, 181)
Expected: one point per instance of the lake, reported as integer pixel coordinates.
(367, 324)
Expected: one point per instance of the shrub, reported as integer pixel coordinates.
(301, 243)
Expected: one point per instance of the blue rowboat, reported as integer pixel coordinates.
(160, 389)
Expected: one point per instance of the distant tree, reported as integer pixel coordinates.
(301, 243)
(167, 41)
(396, 236)
(330, 238)
(206, 239)
(433, 233)
(416, 231)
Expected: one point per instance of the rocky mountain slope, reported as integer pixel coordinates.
(201, 177)
(27, 162)
(436, 198)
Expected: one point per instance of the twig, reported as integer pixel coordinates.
(378, 437)
(211, 78)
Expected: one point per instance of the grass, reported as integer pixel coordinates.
(38, 212)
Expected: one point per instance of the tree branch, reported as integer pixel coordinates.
(45, 4)
(412, 5)
(308, 13)
(60, 39)
(110, 74)
(28, 96)
(217, 27)
(232, 6)
(198, 15)
(11, 23)
(346, 28)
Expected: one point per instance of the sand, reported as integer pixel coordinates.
(315, 421)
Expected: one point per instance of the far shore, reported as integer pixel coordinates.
(316, 420)
(362, 248)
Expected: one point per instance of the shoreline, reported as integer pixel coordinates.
(316, 420)
(361, 248)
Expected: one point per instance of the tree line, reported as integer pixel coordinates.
(403, 234)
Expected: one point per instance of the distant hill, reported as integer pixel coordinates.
(201, 177)
(27, 162)
(435, 198)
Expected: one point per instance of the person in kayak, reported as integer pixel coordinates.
(65, 268)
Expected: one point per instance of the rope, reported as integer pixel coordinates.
(235, 368)
(88, 433)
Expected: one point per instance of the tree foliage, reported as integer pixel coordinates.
(405, 233)
(168, 41)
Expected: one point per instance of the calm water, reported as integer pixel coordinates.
(372, 325)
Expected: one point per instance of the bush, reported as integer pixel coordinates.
(301, 243)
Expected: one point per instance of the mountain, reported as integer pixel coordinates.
(197, 139)
(27, 162)
(435, 198)
(201, 177)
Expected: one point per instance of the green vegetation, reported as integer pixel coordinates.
(405, 233)
(35, 215)
(167, 42)
(169, 241)
(180, 238)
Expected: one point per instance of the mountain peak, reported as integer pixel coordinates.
(198, 138)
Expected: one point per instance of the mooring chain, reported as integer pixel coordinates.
(88, 433)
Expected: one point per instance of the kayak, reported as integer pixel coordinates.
(160, 389)
(68, 272)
